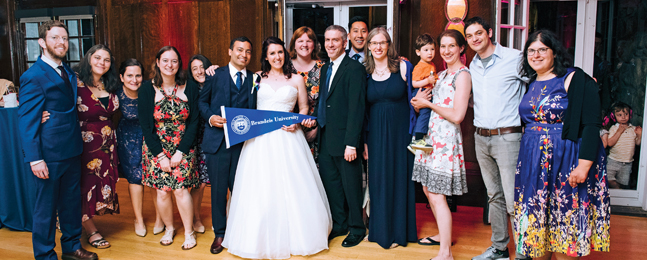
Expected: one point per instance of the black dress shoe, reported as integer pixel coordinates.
(80, 254)
(352, 240)
(336, 234)
(216, 246)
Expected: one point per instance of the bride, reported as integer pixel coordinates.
(278, 206)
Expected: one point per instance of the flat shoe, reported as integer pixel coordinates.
(199, 230)
(140, 232)
(429, 242)
(157, 230)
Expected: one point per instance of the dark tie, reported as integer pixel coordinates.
(321, 117)
(356, 57)
(65, 77)
(239, 79)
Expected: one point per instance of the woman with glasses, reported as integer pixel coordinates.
(561, 196)
(392, 204)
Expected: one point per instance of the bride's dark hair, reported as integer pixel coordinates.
(265, 64)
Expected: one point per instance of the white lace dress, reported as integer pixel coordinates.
(279, 206)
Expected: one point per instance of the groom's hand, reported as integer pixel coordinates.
(350, 154)
(217, 121)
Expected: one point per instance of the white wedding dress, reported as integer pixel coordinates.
(279, 206)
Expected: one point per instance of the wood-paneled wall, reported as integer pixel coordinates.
(428, 16)
(139, 28)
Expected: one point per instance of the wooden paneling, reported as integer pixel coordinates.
(8, 41)
(139, 28)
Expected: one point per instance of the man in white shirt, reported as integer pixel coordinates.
(497, 88)
(358, 31)
(340, 116)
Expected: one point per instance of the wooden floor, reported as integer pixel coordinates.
(471, 237)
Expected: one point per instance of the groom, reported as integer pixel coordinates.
(340, 117)
(230, 86)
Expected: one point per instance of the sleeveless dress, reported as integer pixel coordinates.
(99, 160)
(170, 114)
(279, 206)
(549, 214)
(392, 193)
(442, 171)
(129, 139)
(312, 81)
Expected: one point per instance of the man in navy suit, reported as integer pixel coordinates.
(230, 86)
(53, 148)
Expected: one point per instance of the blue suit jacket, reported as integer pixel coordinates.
(41, 88)
(215, 93)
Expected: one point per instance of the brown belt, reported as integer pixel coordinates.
(498, 131)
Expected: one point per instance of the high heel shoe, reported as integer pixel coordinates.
(157, 230)
(199, 229)
(140, 232)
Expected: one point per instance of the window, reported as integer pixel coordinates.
(512, 23)
(29, 27)
(81, 37)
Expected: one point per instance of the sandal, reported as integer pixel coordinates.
(167, 239)
(429, 242)
(98, 243)
(189, 240)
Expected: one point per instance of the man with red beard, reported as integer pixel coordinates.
(53, 148)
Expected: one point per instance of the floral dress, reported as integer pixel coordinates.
(442, 170)
(129, 140)
(170, 114)
(550, 215)
(201, 160)
(99, 160)
(312, 87)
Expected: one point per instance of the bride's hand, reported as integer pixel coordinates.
(309, 123)
(290, 128)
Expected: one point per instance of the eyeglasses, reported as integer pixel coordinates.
(541, 51)
(384, 43)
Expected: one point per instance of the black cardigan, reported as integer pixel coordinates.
(146, 107)
(582, 118)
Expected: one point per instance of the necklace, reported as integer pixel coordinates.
(381, 72)
(99, 86)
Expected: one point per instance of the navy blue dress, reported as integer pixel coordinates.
(129, 140)
(550, 215)
(393, 212)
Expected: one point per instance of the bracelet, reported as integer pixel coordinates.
(161, 156)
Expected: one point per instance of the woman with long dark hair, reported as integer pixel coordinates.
(168, 114)
(278, 205)
(198, 64)
(97, 103)
(561, 194)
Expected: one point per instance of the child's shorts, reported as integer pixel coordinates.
(619, 171)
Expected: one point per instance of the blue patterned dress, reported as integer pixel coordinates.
(129, 140)
(550, 215)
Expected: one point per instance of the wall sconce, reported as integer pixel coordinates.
(455, 11)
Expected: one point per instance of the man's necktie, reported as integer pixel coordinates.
(65, 77)
(239, 80)
(356, 57)
(321, 116)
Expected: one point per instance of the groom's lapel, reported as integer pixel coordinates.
(338, 75)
